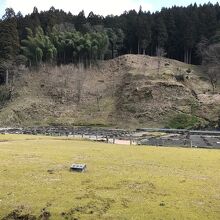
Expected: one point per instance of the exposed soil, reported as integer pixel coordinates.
(97, 206)
(17, 215)
(45, 215)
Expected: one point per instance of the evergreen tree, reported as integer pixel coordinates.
(160, 35)
(80, 21)
(143, 31)
(171, 46)
(9, 40)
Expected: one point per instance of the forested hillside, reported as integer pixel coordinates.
(60, 37)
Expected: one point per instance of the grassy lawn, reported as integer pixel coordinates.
(122, 182)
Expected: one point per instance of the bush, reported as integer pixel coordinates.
(182, 121)
(180, 78)
(188, 70)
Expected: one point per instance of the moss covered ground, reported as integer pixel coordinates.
(121, 182)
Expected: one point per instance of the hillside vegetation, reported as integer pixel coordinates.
(55, 35)
(128, 91)
(121, 182)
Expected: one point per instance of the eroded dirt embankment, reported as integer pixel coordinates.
(128, 91)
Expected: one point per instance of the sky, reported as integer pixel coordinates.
(101, 7)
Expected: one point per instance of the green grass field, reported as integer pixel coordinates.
(122, 182)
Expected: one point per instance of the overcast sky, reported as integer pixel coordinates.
(101, 7)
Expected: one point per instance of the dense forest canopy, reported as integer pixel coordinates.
(57, 36)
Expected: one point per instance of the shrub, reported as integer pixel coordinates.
(182, 121)
(188, 70)
(180, 78)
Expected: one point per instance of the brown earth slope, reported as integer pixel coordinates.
(129, 91)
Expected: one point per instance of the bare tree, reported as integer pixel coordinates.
(98, 98)
(211, 61)
(80, 79)
(213, 74)
(160, 52)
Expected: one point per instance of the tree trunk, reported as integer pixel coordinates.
(213, 86)
(112, 51)
(64, 57)
(184, 59)
(187, 56)
(98, 102)
(6, 78)
(190, 56)
(158, 67)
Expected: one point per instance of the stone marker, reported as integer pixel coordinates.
(78, 167)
